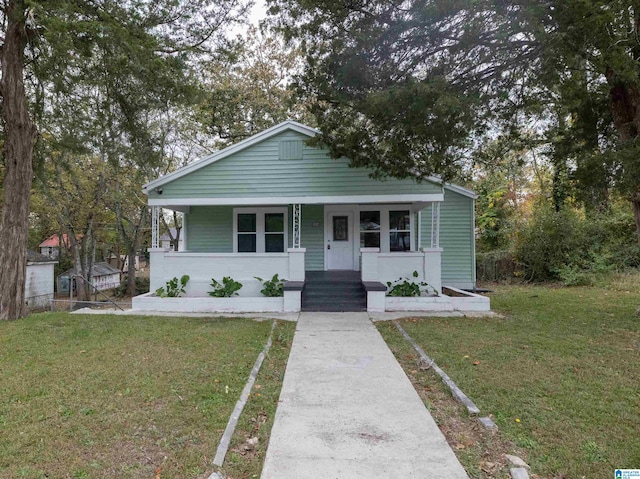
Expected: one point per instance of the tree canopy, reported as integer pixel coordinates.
(412, 87)
(92, 76)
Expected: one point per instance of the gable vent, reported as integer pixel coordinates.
(291, 150)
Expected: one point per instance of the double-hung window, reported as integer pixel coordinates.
(387, 227)
(370, 229)
(399, 230)
(260, 230)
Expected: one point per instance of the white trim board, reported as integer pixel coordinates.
(305, 200)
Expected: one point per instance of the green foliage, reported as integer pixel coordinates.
(173, 288)
(141, 285)
(380, 63)
(228, 288)
(273, 287)
(574, 249)
(248, 89)
(406, 288)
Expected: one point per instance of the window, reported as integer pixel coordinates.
(274, 232)
(369, 229)
(399, 230)
(260, 230)
(247, 233)
(389, 227)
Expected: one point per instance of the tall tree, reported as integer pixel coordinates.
(250, 89)
(400, 86)
(20, 135)
(404, 86)
(56, 47)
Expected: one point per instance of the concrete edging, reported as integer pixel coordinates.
(455, 390)
(223, 447)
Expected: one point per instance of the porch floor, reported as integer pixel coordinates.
(333, 291)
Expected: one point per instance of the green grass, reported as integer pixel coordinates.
(564, 362)
(112, 396)
(257, 418)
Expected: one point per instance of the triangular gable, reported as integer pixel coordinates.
(296, 179)
(230, 150)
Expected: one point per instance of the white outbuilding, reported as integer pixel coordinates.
(39, 281)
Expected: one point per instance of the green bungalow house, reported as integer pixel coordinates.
(272, 204)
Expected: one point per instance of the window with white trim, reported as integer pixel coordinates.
(259, 230)
(370, 229)
(388, 227)
(399, 230)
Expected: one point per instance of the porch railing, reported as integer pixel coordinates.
(242, 267)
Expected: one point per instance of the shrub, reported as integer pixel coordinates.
(272, 288)
(142, 286)
(407, 288)
(228, 288)
(576, 250)
(173, 287)
(545, 243)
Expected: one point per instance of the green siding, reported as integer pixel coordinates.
(312, 237)
(258, 172)
(210, 229)
(456, 237)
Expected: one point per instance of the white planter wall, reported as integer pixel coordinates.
(150, 302)
(470, 302)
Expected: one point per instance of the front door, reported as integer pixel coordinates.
(339, 240)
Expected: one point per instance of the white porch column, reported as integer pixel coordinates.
(433, 268)
(297, 218)
(155, 227)
(156, 268)
(435, 225)
(370, 264)
(296, 264)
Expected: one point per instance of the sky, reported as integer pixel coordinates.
(258, 12)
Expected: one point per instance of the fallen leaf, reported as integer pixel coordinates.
(158, 471)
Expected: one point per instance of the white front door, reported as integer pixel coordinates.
(339, 235)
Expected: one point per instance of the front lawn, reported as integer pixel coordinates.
(128, 397)
(560, 373)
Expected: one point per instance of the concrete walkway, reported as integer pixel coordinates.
(347, 410)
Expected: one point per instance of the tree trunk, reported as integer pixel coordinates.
(635, 204)
(178, 226)
(131, 241)
(131, 271)
(20, 136)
